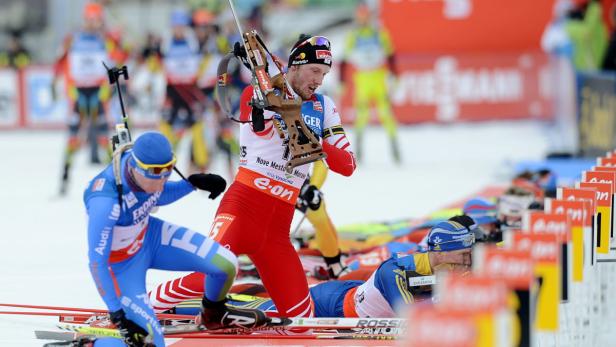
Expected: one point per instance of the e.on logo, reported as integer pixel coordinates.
(551, 227)
(542, 247)
(603, 196)
(576, 215)
(472, 297)
(427, 329)
(277, 190)
(509, 267)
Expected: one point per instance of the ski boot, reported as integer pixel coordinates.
(218, 315)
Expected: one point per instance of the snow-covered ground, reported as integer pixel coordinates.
(43, 252)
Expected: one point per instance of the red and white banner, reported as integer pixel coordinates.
(468, 87)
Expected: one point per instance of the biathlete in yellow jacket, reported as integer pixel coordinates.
(369, 50)
(312, 204)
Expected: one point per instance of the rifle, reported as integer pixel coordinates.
(122, 139)
(273, 94)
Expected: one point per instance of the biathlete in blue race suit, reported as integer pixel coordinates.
(125, 241)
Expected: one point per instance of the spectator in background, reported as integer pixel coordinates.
(151, 50)
(609, 62)
(588, 34)
(183, 109)
(87, 86)
(16, 55)
(562, 134)
(369, 50)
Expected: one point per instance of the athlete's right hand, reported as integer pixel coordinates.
(133, 334)
(212, 183)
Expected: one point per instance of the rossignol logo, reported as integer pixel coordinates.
(380, 323)
(239, 321)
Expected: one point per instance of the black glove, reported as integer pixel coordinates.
(309, 197)
(258, 120)
(133, 334)
(240, 53)
(210, 182)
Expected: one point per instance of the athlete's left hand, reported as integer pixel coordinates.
(212, 183)
(310, 196)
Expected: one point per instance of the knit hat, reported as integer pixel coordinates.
(152, 149)
(450, 236)
(481, 210)
(311, 50)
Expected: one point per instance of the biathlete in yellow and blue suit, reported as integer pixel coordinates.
(395, 283)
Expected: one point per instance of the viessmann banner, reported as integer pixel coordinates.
(466, 60)
(468, 87)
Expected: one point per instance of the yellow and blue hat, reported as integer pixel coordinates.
(450, 236)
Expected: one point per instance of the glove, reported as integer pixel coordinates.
(133, 334)
(210, 182)
(240, 53)
(309, 197)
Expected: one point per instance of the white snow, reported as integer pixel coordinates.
(43, 250)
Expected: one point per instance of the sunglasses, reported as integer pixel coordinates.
(154, 171)
(314, 41)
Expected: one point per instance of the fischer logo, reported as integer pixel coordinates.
(264, 183)
(446, 87)
(551, 227)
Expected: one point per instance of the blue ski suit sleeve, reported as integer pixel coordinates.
(103, 214)
(174, 191)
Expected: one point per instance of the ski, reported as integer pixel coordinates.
(56, 308)
(358, 326)
(70, 336)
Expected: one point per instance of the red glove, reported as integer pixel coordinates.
(339, 160)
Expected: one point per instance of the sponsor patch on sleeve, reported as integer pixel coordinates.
(98, 185)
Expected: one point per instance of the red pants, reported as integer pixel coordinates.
(254, 223)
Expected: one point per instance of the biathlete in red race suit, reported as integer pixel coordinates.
(255, 214)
